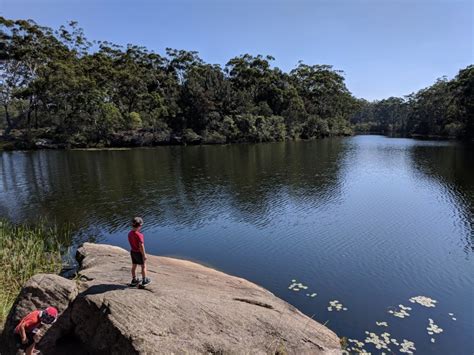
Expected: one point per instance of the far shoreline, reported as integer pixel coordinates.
(47, 144)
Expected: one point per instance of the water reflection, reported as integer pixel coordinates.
(449, 168)
(368, 220)
(185, 187)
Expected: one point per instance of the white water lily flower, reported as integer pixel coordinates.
(337, 305)
(424, 301)
(433, 340)
(407, 347)
(433, 328)
(400, 313)
(380, 342)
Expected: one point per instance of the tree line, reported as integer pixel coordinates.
(59, 86)
(444, 109)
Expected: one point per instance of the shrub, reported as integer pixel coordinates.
(135, 121)
(454, 129)
(213, 137)
(191, 137)
(111, 117)
(26, 251)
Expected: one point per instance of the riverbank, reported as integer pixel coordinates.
(411, 136)
(47, 139)
(188, 308)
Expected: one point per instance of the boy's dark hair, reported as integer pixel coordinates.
(137, 222)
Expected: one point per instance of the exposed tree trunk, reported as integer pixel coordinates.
(28, 115)
(36, 116)
(9, 122)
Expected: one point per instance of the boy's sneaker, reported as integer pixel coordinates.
(146, 281)
(134, 282)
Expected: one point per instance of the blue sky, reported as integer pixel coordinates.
(385, 47)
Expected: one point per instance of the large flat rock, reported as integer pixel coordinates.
(188, 308)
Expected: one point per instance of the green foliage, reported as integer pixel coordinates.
(444, 109)
(214, 137)
(55, 80)
(191, 137)
(25, 251)
(134, 120)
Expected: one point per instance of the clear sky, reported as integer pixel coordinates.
(385, 47)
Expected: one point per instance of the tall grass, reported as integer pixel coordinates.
(25, 250)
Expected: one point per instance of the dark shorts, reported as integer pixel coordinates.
(137, 257)
(20, 345)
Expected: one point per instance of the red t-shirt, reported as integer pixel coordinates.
(135, 238)
(31, 322)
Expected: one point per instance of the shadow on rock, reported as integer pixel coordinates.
(102, 288)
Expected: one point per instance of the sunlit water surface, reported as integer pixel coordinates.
(369, 221)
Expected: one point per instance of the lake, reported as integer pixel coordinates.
(368, 221)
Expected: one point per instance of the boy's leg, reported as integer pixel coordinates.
(145, 280)
(143, 270)
(29, 350)
(134, 271)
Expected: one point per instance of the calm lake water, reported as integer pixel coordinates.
(369, 221)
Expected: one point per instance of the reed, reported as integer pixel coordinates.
(26, 250)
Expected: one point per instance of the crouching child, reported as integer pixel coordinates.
(26, 332)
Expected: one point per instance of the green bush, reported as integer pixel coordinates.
(454, 129)
(229, 129)
(111, 117)
(315, 127)
(213, 137)
(135, 121)
(191, 137)
(25, 251)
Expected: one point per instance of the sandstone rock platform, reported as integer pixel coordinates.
(188, 309)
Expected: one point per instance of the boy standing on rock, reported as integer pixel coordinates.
(25, 332)
(137, 252)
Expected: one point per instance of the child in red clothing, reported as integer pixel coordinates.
(137, 252)
(29, 326)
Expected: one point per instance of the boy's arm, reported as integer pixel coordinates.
(142, 250)
(23, 333)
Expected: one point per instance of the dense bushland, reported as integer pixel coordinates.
(59, 86)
